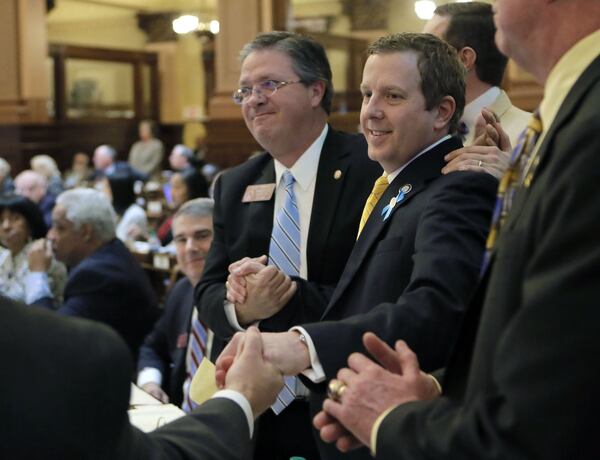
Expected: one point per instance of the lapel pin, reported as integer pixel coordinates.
(385, 212)
(337, 174)
(406, 188)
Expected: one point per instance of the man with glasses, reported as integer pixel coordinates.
(299, 203)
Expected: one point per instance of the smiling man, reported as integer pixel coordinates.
(162, 364)
(417, 258)
(285, 97)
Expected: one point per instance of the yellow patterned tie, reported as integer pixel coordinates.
(519, 173)
(380, 185)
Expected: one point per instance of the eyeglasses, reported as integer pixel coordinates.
(265, 88)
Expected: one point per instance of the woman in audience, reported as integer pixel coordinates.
(46, 166)
(184, 185)
(146, 154)
(80, 171)
(21, 222)
(132, 223)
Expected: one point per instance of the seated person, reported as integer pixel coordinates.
(105, 164)
(132, 221)
(181, 158)
(71, 402)
(21, 222)
(184, 185)
(47, 167)
(6, 182)
(79, 172)
(162, 362)
(105, 282)
(34, 186)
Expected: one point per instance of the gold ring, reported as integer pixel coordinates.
(336, 389)
(480, 163)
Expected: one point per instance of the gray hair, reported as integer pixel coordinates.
(45, 165)
(89, 206)
(198, 207)
(183, 150)
(4, 168)
(108, 150)
(309, 59)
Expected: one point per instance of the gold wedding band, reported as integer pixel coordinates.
(336, 389)
(480, 163)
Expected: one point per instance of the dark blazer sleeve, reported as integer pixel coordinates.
(533, 383)
(154, 352)
(448, 249)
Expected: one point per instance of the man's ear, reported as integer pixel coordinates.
(445, 111)
(87, 232)
(317, 92)
(468, 57)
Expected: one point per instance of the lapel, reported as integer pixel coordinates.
(570, 105)
(334, 156)
(260, 213)
(418, 175)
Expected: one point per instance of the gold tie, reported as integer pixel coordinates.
(519, 173)
(380, 185)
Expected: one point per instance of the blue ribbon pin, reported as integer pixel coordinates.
(390, 207)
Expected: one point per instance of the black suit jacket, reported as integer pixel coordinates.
(111, 287)
(410, 276)
(65, 393)
(166, 346)
(244, 230)
(522, 382)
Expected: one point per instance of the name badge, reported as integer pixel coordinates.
(261, 192)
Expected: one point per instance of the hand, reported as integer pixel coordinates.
(40, 256)
(236, 282)
(267, 293)
(284, 350)
(371, 389)
(252, 375)
(154, 389)
(489, 153)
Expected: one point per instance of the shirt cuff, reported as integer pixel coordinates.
(232, 317)
(315, 373)
(375, 429)
(149, 374)
(241, 401)
(37, 287)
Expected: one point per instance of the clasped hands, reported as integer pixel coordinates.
(258, 291)
(372, 386)
(489, 153)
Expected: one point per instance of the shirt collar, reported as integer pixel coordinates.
(473, 108)
(305, 168)
(395, 173)
(565, 73)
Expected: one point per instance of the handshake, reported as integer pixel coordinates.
(254, 364)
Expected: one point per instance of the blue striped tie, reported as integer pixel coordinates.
(196, 351)
(284, 253)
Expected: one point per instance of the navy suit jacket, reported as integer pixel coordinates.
(522, 381)
(244, 230)
(410, 275)
(165, 347)
(68, 393)
(111, 287)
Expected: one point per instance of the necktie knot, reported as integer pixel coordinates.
(288, 179)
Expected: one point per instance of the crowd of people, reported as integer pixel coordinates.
(423, 289)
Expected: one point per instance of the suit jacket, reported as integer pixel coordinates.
(67, 395)
(522, 382)
(410, 276)
(110, 286)
(512, 119)
(166, 346)
(244, 229)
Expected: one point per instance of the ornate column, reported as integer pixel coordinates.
(24, 87)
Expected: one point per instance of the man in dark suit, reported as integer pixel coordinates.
(285, 95)
(65, 391)
(417, 258)
(522, 379)
(162, 361)
(106, 164)
(105, 282)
